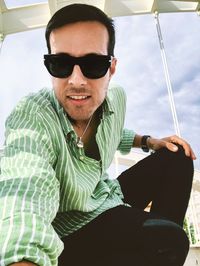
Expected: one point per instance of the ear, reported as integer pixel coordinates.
(113, 66)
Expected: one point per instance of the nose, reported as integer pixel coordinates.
(77, 78)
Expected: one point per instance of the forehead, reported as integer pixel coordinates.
(80, 38)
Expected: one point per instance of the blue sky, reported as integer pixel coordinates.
(139, 71)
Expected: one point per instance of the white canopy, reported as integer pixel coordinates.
(34, 16)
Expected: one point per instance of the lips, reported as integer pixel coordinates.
(78, 97)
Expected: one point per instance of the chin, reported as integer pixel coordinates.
(79, 117)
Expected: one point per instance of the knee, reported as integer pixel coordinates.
(179, 154)
(177, 161)
(165, 242)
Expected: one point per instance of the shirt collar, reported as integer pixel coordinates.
(107, 106)
(65, 122)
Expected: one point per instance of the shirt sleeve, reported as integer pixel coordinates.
(29, 194)
(126, 142)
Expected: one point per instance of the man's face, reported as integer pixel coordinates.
(79, 39)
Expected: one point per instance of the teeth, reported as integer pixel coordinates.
(76, 97)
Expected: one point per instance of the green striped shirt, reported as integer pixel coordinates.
(49, 188)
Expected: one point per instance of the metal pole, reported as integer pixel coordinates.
(167, 77)
(1, 42)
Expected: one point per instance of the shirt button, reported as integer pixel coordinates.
(81, 158)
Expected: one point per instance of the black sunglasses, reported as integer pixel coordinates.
(92, 66)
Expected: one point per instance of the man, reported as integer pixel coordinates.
(59, 144)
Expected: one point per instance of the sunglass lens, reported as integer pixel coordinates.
(95, 66)
(58, 66)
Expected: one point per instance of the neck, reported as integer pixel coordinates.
(80, 123)
(82, 127)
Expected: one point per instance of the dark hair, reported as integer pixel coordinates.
(78, 13)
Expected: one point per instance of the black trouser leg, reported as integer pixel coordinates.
(125, 236)
(164, 243)
(165, 178)
(112, 239)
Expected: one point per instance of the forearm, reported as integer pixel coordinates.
(26, 231)
(137, 141)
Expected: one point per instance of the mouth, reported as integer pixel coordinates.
(78, 99)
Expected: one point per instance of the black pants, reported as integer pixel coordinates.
(130, 236)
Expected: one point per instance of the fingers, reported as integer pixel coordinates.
(192, 155)
(171, 145)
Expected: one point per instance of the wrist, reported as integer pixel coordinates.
(149, 144)
(145, 143)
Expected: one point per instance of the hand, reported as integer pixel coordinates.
(170, 144)
(23, 263)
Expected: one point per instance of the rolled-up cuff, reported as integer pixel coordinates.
(127, 141)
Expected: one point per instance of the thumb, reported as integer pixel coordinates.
(172, 147)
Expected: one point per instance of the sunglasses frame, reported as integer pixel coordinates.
(104, 63)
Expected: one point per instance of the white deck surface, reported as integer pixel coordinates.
(193, 258)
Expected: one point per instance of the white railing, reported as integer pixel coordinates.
(193, 213)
